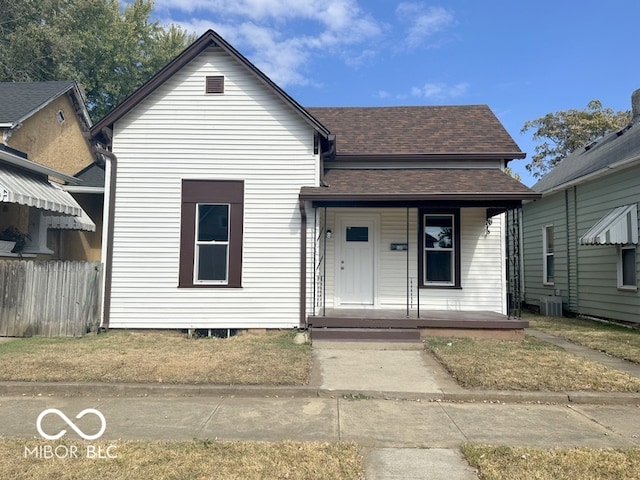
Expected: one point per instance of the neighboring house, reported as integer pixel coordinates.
(580, 240)
(46, 121)
(27, 194)
(232, 206)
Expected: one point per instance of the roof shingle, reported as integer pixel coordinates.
(464, 129)
(420, 183)
(19, 99)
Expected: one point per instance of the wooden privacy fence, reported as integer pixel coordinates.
(51, 299)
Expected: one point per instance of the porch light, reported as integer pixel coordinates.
(329, 234)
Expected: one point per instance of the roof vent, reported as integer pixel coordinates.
(215, 84)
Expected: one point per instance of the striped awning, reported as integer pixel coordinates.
(68, 222)
(618, 227)
(36, 191)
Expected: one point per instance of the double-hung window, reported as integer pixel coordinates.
(440, 249)
(211, 233)
(212, 244)
(547, 255)
(627, 267)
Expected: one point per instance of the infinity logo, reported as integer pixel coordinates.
(71, 424)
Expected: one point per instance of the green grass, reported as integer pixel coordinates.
(524, 463)
(265, 358)
(616, 340)
(525, 365)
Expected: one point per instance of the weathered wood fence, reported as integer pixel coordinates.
(51, 299)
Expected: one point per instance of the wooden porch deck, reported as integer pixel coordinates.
(396, 326)
(450, 319)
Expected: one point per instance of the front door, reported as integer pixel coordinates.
(355, 261)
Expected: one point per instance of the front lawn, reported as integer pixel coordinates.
(529, 365)
(198, 459)
(266, 358)
(524, 463)
(616, 340)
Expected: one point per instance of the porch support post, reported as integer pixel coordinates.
(514, 306)
(420, 232)
(324, 265)
(315, 260)
(408, 279)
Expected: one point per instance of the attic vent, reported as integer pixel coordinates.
(60, 117)
(215, 84)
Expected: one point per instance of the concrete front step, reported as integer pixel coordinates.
(366, 334)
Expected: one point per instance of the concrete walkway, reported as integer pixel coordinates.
(400, 405)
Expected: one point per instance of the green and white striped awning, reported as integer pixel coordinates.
(618, 227)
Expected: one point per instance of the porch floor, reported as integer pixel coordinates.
(447, 319)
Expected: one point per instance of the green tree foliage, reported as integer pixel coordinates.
(108, 48)
(564, 131)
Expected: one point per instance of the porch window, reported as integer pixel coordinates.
(440, 249)
(211, 233)
(627, 267)
(547, 255)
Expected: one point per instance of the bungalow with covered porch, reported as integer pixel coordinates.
(231, 206)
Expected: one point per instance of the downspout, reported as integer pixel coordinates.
(107, 235)
(303, 264)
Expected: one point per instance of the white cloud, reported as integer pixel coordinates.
(423, 21)
(280, 36)
(440, 91)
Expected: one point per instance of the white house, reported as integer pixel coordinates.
(232, 206)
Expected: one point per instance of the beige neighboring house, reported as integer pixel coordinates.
(43, 122)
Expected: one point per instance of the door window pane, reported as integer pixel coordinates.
(357, 234)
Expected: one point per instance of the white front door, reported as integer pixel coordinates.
(355, 261)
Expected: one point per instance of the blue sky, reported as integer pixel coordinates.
(522, 58)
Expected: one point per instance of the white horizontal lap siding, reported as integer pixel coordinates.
(393, 264)
(482, 268)
(482, 263)
(179, 133)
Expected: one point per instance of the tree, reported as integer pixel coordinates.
(109, 50)
(564, 131)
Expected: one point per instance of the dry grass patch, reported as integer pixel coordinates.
(529, 364)
(268, 358)
(521, 463)
(142, 460)
(616, 340)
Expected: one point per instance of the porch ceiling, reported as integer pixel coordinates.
(484, 185)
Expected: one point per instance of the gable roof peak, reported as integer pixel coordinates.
(206, 40)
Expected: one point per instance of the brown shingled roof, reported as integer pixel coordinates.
(419, 184)
(465, 129)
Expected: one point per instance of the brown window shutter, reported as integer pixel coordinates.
(215, 84)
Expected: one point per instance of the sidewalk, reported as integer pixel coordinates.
(405, 411)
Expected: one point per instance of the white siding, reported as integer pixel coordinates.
(178, 133)
(482, 263)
